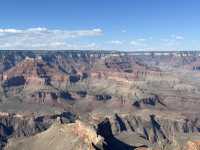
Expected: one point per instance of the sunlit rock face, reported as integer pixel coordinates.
(192, 145)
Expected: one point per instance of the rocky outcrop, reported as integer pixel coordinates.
(74, 136)
(192, 145)
(15, 81)
(43, 98)
(15, 125)
(103, 97)
(47, 97)
(151, 101)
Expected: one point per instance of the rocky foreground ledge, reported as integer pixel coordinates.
(66, 131)
(74, 136)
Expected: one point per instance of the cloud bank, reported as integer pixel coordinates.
(57, 39)
(44, 38)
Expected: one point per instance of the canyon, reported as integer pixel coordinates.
(99, 100)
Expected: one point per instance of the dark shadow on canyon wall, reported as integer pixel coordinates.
(112, 143)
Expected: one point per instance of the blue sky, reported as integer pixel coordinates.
(100, 24)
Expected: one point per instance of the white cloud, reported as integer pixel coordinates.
(172, 42)
(165, 40)
(179, 37)
(141, 42)
(66, 33)
(117, 42)
(135, 43)
(141, 39)
(124, 31)
(44, 38)
(10, 31)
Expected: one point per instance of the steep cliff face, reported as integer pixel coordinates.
(138, 131)
(127, 64)
(35, 71)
